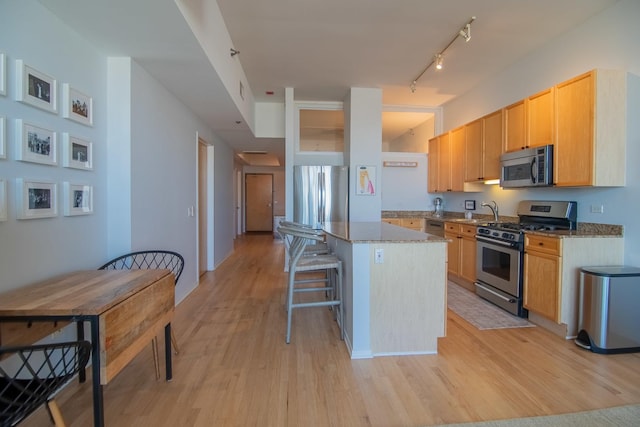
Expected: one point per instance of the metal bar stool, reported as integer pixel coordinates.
(331, 265)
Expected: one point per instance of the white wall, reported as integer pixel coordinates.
(405, 188)
(35, 249)
(145, 168)
(609, 40)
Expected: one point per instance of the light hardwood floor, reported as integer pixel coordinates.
(235, 369)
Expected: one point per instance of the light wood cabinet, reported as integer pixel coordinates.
(433, 164)
(515, 126)
(411, 223)
(540, 118)
(461, 252)
(542, 274)
(530, 122)
(552, 276)
(456, 159)
(483, 146)
(446, 161)
(591, 130)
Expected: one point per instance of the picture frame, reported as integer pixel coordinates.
(36, 88)
(78, 199)
(470, 205)
(3, 140)
(3, 74)
(3, 200)
(36, 199)
(366, 181)
(77, 153)
(76, 105)
(35, 144)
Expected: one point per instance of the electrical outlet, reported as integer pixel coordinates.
(597, 208)
(379, 256)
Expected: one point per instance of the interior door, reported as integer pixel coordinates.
(202, 207)
(259, 202)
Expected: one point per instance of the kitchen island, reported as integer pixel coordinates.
(394, 288)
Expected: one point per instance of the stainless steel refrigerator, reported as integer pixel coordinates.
(320, 194)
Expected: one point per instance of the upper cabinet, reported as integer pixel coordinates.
(446, 162)
(583, 118)
(515, 126)
(432, 165)
(591, 130)
(483, 146)
(540, 118)
(529, 122)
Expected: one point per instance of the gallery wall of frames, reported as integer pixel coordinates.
(37, 143)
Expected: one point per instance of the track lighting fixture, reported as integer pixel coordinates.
(438, 60)
(465, 33)
(234, 52)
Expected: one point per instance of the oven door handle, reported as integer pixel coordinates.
(484, 288)
(494, 242)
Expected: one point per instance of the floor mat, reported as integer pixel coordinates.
(479, 312)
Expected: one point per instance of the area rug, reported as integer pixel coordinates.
(479, 312)
(620, 416)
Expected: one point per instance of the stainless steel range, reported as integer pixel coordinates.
(501, 250)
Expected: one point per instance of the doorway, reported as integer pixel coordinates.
(203, 206)
(259, 202)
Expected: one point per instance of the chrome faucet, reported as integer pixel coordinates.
(494, 209)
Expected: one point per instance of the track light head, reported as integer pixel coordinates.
(466, 32)
(438, 61)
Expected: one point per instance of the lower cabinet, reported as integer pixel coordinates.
(461, 253)
(411, 223)
(552, 276)
(542, 275)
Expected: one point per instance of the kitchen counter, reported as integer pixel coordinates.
(394, 288)
(377, 232)
(585, 229)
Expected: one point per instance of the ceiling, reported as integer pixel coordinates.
(321, 48)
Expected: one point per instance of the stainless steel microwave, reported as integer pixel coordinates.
(532, 167)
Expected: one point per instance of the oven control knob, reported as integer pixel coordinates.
(496, 234)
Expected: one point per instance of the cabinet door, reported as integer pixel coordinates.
(540, 115)
(432, 173)
(444, 163)
(457, 159)
(541, 284)
(468, 258)
(473, 151)
(515, 127)
(492, 145)
(573, 157)
(453, 253)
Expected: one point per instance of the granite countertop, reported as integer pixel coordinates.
(371, 232)
(585, 229)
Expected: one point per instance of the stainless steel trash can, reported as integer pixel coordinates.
(609, 315)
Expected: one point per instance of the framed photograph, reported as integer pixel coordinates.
(3, 200)
(36, 88)
(78, 199)
(3, 141)
(36, 199)
(366, 180)
(76, 153)
(35, 144)
(3, 74)
(470, 205)
(76, 105)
